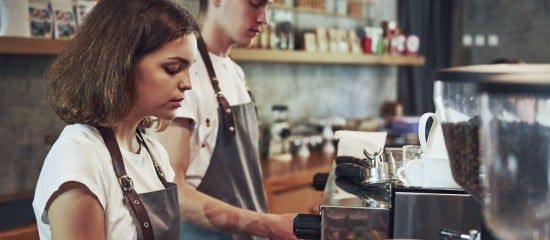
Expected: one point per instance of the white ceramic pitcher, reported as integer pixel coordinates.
(434, 144)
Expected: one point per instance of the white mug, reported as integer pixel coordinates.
(429, 172)
(434, 143)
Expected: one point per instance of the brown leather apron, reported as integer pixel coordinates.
(156, 213)
(234, 174)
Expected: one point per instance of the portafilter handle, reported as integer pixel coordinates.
(307, 226)
(320, 181)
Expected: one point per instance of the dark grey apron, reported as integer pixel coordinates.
(161, 206)
(164, 212)
(234, 174)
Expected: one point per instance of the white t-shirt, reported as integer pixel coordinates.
(80, 155)
(201, 106)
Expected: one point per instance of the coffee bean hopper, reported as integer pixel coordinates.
(457, 104)
(386, 209)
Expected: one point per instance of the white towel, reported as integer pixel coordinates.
(352, 143)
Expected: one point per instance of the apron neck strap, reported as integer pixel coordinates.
(126, 183)
(203, 50)
(158, 169)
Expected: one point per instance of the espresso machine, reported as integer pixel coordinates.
(381, 208)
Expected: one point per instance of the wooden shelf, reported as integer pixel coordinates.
(30, 46)
(287, 56)
(35, 46)
(313, 11)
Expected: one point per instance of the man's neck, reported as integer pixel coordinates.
(216, 41)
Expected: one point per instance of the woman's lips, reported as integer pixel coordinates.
(176, 102)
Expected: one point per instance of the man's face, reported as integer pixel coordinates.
(242, 20)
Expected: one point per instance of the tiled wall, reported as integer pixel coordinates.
(321, 90)
(26, 118)
(351, 91)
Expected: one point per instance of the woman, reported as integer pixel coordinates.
(103, 178)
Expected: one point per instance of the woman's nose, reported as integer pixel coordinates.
(185, 83)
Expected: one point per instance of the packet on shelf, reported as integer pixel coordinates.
(41, 20)
(64, 19)
(14, 18)
(322, 42)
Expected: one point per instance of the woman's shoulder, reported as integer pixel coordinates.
(78, 141)
(80, 132)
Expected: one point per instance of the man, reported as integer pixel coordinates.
(213, 142)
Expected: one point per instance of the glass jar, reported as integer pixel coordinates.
(515, 138)
(457, 108)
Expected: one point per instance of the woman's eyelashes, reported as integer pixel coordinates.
(174, 68)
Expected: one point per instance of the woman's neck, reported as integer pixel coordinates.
(125, 134)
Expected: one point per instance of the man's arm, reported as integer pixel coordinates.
(201, 209)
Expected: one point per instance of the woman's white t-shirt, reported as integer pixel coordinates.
(80, 155)
(201, 106)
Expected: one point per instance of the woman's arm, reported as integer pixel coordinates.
(75, 213)
(199, 208)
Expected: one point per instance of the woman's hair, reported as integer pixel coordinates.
(91, 81)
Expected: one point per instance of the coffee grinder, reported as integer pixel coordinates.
(279, 144)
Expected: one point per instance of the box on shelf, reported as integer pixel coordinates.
(41, 20)
(64, 19)
(14, 18)
(341, 7)
(353, 42)
(311, 4)
(356, 9)
(322, 39)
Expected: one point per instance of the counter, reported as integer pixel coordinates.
(288, 184)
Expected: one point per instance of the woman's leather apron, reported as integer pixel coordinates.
(156, 213)
(234, 174)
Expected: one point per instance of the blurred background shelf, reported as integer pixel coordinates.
(30, 46)
(289, 56)
(34, 46)
(314, 11)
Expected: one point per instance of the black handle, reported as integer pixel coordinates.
(307, 226)
(320, 181)
(348, 159)
(350, 170)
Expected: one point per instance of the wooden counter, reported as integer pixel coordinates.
(289, 185)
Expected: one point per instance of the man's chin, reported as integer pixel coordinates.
(246, 43)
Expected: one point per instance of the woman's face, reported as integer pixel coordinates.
(162, 76)
(242, 20)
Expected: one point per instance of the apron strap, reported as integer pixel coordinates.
(158, 169)
(126, 183)
(230, 123)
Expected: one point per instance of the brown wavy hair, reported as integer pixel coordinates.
(91, 81)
